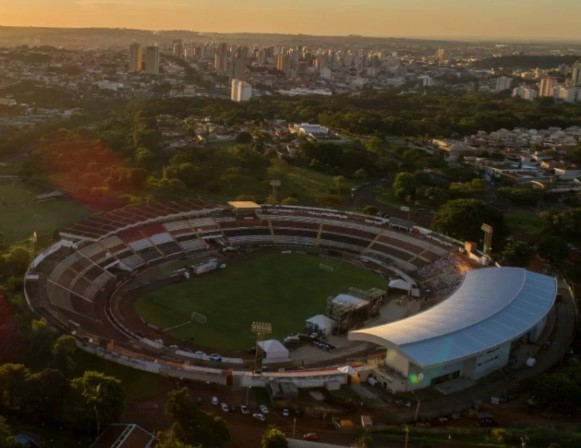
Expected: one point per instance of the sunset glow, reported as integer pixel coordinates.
(524, 19)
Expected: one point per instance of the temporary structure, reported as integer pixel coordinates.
(274, 351)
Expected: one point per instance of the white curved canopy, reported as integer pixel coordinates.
(491, 306)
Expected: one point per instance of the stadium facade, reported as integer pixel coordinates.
(469, 335)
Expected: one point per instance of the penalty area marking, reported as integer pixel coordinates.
(183, 324)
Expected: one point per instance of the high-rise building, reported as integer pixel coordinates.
(239, 64)
(240, 90)
(152, 60)
(135, 58)
(547, 86)
(178, 48)
(221, 60)
(441, 55)
(576, 73)
(503, 83)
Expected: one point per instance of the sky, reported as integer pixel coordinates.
(511, 19)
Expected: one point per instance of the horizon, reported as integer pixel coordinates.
(510, 20)
(496, 39)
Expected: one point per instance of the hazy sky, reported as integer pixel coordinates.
(421, 18)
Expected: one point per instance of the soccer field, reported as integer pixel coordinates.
(283, 289)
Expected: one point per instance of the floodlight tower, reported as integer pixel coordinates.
(275, 183)
(260, 329)
(488, 231)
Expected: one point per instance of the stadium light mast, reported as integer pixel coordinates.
(275, 183)
(488, 231)
(260, 329)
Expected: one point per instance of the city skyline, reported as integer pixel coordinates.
(445, 19)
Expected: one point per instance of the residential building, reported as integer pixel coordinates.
(135, 58)
(240, 90)
(503, 83)
(526, 93)
(576, 73)
(547, 86)
(152, 60)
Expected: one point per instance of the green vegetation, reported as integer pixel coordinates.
(138, 385)
(21, 214)
(284, 289)
(526, 225)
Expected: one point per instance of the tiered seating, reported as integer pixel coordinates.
(132, 261)
(93, 288)
(94, 252)
(295, 240)
(193, 244)
(178, 228)
(106, 224)
(114, 245)
(444, 275)
(141, 244)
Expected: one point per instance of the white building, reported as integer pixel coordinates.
(526, 93)
(569, 94)
(469, 335)
(503, 83)
(240, 90)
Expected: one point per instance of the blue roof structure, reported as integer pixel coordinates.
(492, 306)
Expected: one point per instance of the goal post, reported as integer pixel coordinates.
(199, 317)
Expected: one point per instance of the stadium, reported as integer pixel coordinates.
(424, 313)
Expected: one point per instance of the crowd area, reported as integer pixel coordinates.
(442, 277)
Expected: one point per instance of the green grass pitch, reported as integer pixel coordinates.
(283, 289)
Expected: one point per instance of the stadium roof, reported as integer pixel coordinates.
(491, 306)
(244, 205)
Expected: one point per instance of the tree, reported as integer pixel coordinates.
(370, 210)
(6, 437)
(517, 253)
(97, 398)
(462, 219)
(12, 384)
(167, 439)
(273, 437)
(41, 339)
(289, 200)
(404, 185)
(364, 441)
(554, 249)
(46, 392)
(191, 425)
(244, 137)
(63, 352)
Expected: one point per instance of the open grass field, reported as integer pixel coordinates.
(283, 289)
(21, 214)
(525, 225)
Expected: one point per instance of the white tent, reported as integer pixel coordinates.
(274, 351)
(321, 323)
(410, 288)
(347, 369)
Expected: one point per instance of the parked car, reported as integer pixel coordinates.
(215, 400)
(263, 408)
(285, 412)
(214, 357)
(224, 407)
(244, 409)
(259, 416)
(311, 436)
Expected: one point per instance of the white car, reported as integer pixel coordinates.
(285, 412)
(224, 407)
(215, 400)
(244, 409)
(259, 416)
(263, 409)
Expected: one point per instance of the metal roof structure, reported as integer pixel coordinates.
(492, 306)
